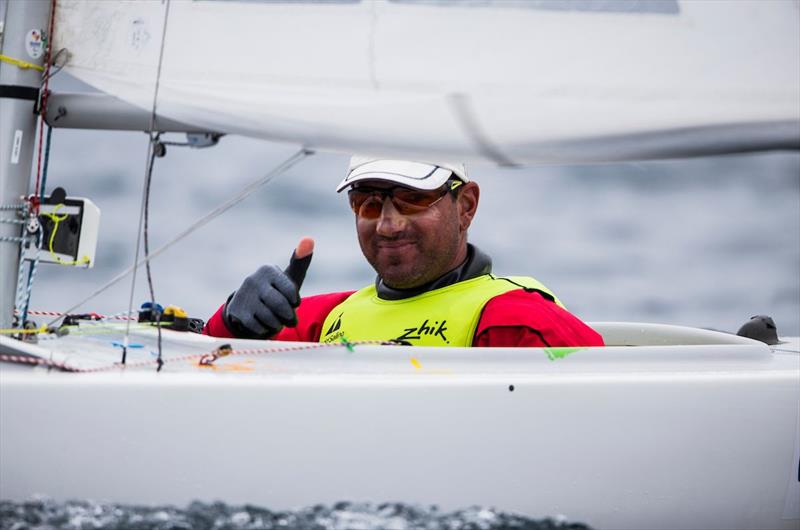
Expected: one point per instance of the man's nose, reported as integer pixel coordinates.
(390, 221)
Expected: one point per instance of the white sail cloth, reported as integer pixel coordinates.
(514, 82)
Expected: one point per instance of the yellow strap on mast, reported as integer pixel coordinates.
(20, 63)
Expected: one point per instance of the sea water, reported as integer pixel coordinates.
(42, 514)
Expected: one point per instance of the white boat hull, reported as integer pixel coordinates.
(700, 436)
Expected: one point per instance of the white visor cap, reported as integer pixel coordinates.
(418, 175)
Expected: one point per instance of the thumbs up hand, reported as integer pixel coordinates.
(266, 301)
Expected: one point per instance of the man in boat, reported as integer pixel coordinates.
(433, 287)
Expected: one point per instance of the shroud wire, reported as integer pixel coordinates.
(216, 212)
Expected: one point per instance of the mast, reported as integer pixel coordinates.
(19, 87)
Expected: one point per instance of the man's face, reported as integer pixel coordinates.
(410, 250)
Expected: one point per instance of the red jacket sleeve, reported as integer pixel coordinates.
(519, 318)
(311, 314)
(215, 326)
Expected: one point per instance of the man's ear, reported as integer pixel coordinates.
(468, 199)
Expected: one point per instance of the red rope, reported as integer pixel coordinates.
(43, 106)
(214, 354)
(94, 315)
(24, 359)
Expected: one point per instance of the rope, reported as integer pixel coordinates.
(151, 152)
(75, 329)
(25, 65)
(32, 274)
(148, 180)
(54, 63)
(19, 301)
(22, 331)
(202, 221)
(207, 358)
(23, 359)
(116, 316)
(43, 107)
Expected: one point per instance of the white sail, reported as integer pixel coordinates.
(514, 82)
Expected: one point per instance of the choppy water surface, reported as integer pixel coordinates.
(85, 515)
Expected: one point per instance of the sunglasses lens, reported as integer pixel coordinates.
(368, 203)
(414, 201)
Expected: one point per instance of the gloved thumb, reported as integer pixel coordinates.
(301, 259)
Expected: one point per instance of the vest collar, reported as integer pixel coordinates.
(476, 264)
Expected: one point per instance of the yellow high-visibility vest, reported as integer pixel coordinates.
(442, 317)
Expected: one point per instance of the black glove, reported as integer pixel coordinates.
(266, 300)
